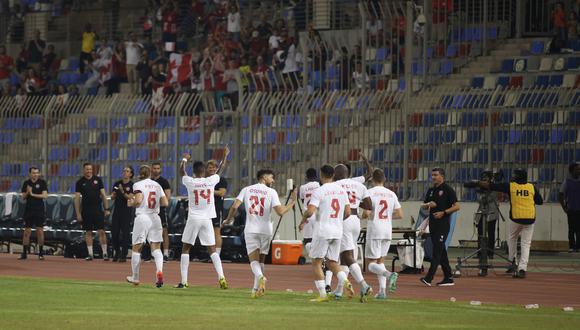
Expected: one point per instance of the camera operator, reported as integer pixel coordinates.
(489, 210)
(523, 198)
(441, 201)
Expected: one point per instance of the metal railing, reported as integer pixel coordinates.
(464, 130)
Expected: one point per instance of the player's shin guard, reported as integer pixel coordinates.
(345, 270)
(356, 273)
(184, 266)
(217, 264)
(328, 278)
(135, 263)
(321, 287)
(158, 257)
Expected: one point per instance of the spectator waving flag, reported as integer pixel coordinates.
(179, 68)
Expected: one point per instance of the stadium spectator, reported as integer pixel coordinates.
(169, 26)
(118, 69)
(36, 48)
(374, 29)
(6, 67)
(258, 45)
(572, 25)
(144, 70)
(88, 45)
(290, 70)
(360, 77)
(33, 82)
(569, 198)
(22, 60)
(208, 83)
(233, 80)
(264, 28)
(133, 54)
(260, 75)
(559, 22)
(50, 62)
(234, 25)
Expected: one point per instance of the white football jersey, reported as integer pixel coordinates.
(200, 194)
(305, 193)
(152, 193)
(384, 203)
(259, 200)
(355, 191)
(330, 199)
(359, 179)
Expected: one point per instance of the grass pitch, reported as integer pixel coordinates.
(32, 303)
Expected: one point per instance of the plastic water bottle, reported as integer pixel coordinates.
(475, 303)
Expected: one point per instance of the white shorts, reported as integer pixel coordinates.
(147, 228)
(350, 232)
(195, 228)
(255, 241)
(325, 248)
(377, 248)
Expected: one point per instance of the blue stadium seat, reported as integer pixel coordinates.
(537, 47)
(551, 156)
(503, 81)
(382, 54)
(446, 67)
(429, 155)
(291, 137)
(394, 174)
(523, 156)
(546, 174)
(456, 155)
(543, 81)
(477, 82)
(556, 80)
(507, 66)
(473, 136)
(451, 50)
(573, 63)
(378, 155)
(570, 155)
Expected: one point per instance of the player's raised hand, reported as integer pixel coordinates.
(226, 150)
(186, 156)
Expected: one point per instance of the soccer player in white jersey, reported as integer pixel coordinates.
(200, 191)
(304, 193)
(148, 197)
(259, 200)
(369, 169)
(330, 205)
(351, 231)
(384, 206)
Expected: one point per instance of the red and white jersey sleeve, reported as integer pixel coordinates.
(384, 202)
(200, 193)
(259, 200)
(152, 194)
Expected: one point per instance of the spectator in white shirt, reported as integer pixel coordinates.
(133, 55)
(360, 77)
(234, 26)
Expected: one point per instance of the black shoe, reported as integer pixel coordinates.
(89, 258)
(123, 259)
(165, 259)
(520, 274)
(446, 282)
(181, 286)
(511, 269)
(424, 281)
(115, 259)
(23, 256)
(41, 257)
(328, 289)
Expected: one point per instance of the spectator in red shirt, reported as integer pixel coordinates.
(208, 82)
(559, 22)
(50, 62)
(169, 27)
(260, 75)
(22, 60)
(6, 67)
(258, 45)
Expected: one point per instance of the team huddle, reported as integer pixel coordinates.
(331, 225)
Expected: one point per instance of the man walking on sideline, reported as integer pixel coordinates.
(259, 200)
(219, 194)
(90, 210)
(164, 183)
(149, 196)
(34, 191)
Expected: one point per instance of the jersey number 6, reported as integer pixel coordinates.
(151, 201)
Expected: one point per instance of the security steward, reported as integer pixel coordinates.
(122, 215)
(523, 198)
(34, 191)
(156, 176)
(441, 201)
(90, 212)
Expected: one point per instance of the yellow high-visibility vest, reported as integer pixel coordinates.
(522, 201)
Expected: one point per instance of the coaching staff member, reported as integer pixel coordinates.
(569, 198)
(90, 211)
(156, 176)
(34, 191)
(122, 215)
(523, 198)
(219, 193)
(441, 201)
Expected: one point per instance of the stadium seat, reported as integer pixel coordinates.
(537, 47)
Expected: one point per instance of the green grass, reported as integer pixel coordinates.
(67, 304)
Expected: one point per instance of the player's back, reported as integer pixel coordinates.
(355, 191)
(259, 200)
(152, 194)
(331, 200)
(307, 189)
(384, 202)
(200, 195)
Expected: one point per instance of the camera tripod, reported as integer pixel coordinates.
(483, 250)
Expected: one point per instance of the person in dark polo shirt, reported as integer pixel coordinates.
(441, 201)
(156, 176)
(122, 215)
(569, 198)
(34, 191)
(219, 193)
(90, 210)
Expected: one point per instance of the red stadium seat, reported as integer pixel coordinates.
(412, 173)
(353, 155)
(537, 156)
(153, 137)
(416, 155)
(154, 154)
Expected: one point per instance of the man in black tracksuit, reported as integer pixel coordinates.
(122, 215)
(441, 201)
(34, 191)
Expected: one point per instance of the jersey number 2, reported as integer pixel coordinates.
(151, 201)
(383, 212)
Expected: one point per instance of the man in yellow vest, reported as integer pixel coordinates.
(524, 197)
